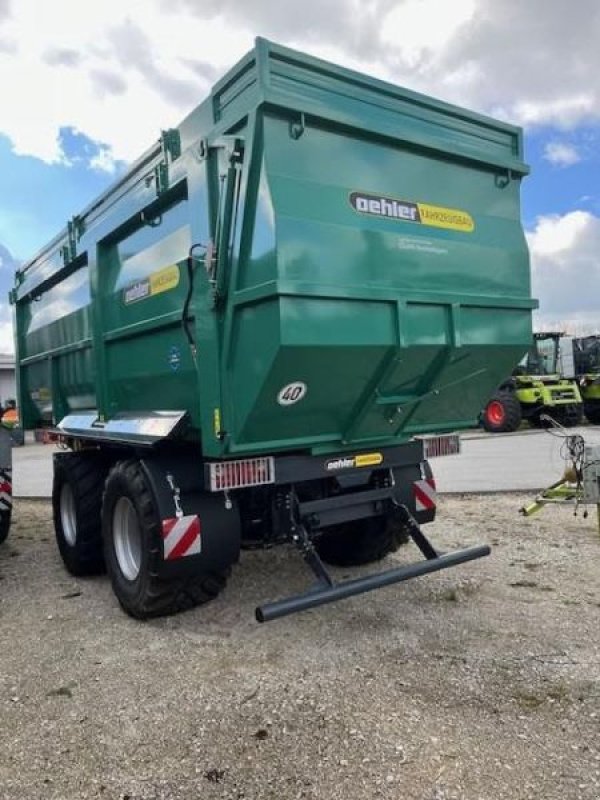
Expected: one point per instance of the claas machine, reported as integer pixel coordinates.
(580, 358)
(535, 391)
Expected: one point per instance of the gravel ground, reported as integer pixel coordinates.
(481, 682)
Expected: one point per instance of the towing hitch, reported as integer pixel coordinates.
(327, 591)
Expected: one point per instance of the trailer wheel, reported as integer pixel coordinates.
(502, 414)
(361, 541)
(133, 545)
(76, 503)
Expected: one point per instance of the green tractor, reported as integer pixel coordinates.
(586, 351)
(535, 388)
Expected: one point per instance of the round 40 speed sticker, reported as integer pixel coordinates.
(291, 393)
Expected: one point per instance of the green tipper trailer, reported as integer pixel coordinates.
(242, 339)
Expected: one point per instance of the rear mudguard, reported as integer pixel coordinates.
(177, 487)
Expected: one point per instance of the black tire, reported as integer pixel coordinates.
(573, 415)
(147, 593)
(361, 541)
(568, 416)
(592, 413)
(4, 524)
(535, 420)
(76, 504)
(502, 413)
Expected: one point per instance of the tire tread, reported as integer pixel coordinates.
(361, 541)
(86, 475)
(161, 596)
(512, 415)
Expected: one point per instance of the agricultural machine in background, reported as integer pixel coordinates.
(584, 354)
(579, 485)
(535, 389)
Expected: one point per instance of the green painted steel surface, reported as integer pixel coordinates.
(365, 259)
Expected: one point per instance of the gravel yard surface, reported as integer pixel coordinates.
(481, 682)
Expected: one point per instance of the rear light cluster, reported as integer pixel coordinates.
(238, 474)
(446, 444)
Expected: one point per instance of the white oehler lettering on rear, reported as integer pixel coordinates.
(384, 207)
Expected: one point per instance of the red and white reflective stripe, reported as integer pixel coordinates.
(181, 537)
(425, 496)
(5, 489)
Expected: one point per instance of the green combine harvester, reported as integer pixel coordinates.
(536, 390)
(260, 333)
(587, 369)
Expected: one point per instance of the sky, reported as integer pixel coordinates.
(85, 88)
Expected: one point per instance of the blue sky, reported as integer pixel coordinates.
(28, 221)
(557, 188)
(84, 90)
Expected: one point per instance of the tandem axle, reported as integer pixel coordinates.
(168, 530)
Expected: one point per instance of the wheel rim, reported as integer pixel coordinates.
(68, 517)
(127, 538)
(495, 412)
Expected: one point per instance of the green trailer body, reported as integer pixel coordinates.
(365, 245)
(314, 262)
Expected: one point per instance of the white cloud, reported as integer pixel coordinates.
(575, 323)
(407, 28)
(563, 112)
(566, 267)
(119, 72)
(7, 270)
(557, 236)
(523, 68)
(128, 81)
(561, 154)
(7, 342)
(104, 161)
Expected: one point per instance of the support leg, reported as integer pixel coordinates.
(415, 532)
(311, 557)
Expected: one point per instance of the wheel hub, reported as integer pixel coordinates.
(127, 538)
(495, 412)
(68, 516)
